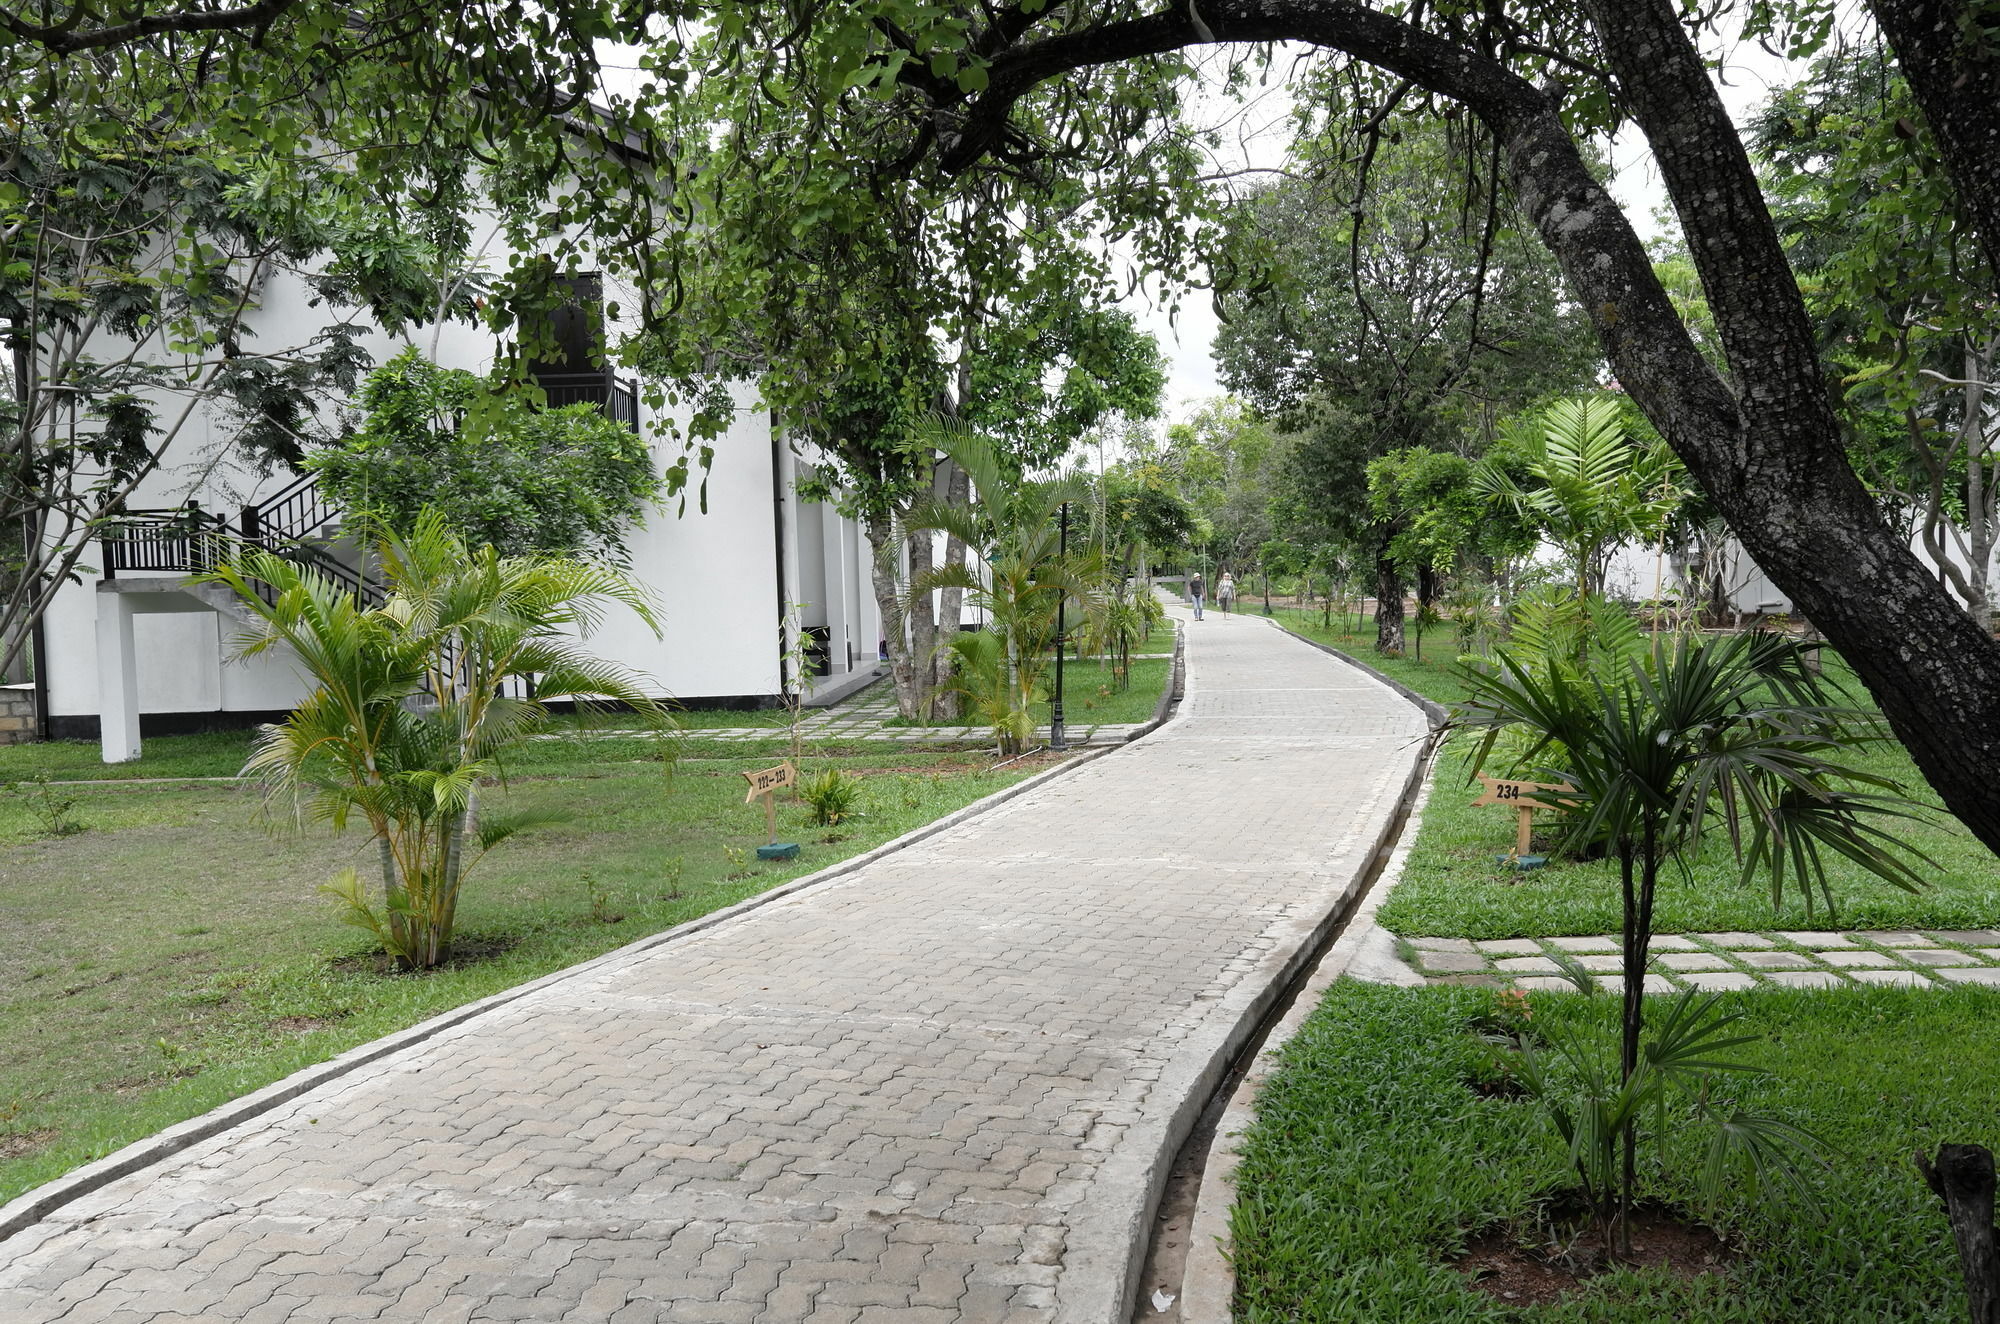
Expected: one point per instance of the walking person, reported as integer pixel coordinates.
(1225, 591)
(1196, 587)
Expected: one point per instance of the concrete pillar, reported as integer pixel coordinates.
(117, 679)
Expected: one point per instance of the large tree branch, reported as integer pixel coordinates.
(1770, 457)
(1954, 72)
(68, 36)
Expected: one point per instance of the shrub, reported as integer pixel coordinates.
(831, 796)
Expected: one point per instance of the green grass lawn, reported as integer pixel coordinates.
(176, 954)
(1091, 696)
(1371, 1163)
(1452, 887)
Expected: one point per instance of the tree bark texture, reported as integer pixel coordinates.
(1954, 73)
(1962, 1177)
(951, 604)
(1770, 457)
(1388, 607)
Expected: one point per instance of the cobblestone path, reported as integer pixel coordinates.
(933, 1090)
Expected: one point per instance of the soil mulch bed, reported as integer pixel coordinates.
(1496, 1263)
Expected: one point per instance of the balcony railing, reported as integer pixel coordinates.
(617, 396)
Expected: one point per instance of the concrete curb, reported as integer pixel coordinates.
(1205, 1062)
(1173, 691)
(29, 1208)
(1208, 1279)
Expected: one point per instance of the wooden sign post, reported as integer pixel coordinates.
(767, 782)
(1521, 796)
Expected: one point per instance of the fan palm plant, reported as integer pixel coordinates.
(1735, 736)
(1024, 574)
(410, 712)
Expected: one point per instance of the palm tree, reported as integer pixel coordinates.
(1024, 575)
(1594, 485)
(1735, 735)
(411, 711)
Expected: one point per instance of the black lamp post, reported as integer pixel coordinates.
(1057, 739)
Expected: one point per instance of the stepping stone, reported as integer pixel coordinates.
(1585, 944)
(1735, 941)
(1936, 956)
(1452, 962)
(1857, 959)
(1817, 939)
(1602, 964)
(1509, 947)
(1892, 938)
(1774, 960)
(1615, 985)
(1990, 953)
(1468, 980)
(1720, 981)
(1968, 937)
(1442, 944)
(1543, 984)
(1695, 961)
(1526, 965)
(1985, 974)
(1805, 978)
(1892, 978)
(1670, 942)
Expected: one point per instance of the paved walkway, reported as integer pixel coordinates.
(937, 1089)
(1718, 961)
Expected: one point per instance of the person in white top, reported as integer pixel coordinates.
(1225, 591)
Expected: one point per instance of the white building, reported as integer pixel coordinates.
(134, 650)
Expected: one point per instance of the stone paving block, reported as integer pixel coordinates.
(1509, 947)
(1816, 938)
(1735, 940)
(1981, 974)
(1968, 937)
(1598, 944)
(1526, 965)
(1858, 959)
(1654, 984)
(1990, 953)
(1890, 978)
(1720, 981)
(1442, 944)
(899, 1096)
(1451, 962)
(1774, 960)
(1694, 961)
(1890, 937)
(1543, 984)
(1804, 978)
(1671, 942)
(1599, 963)
(1936, 956)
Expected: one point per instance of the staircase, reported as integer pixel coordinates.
(191, 541)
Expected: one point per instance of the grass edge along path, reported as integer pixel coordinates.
(244, 1055)
(1451, 886)
(1371, 1163)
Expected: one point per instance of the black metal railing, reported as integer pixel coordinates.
(293, 515)
(617, 396)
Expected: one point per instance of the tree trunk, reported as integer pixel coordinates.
(1953, 73)
(951, 605)
(888, 586)
(1962, 1177)
(1772, 461)
(1388, 608)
